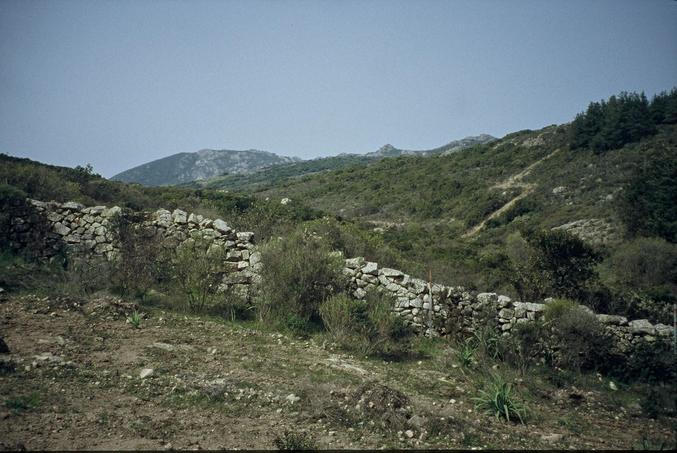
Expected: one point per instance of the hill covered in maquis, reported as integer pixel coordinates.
(472, 217)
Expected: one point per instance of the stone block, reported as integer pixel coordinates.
(370, 268)
(642, 326)
(221, 226)
(354, 263)
(391, 273)
(245, 236)
(612, 319)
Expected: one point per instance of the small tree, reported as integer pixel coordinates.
(198, 271)
(299, 273)
(565, 261)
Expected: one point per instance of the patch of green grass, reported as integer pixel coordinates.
(19, 404)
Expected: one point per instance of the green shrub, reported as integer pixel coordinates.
(290, 440)
(645, 264)
(564, 260)
(499, 400)
(525, 346)
(298, 274)
(23, 403)
(338, 317)
(10, 197)
(643, 274)
(369, 326)
(652, 443)
(578, 339)
(650, 362)
(134, 319)
(466, 354)
(486, 339)
(659, 400)
(232, 305)
(197, 270)
(558, 307)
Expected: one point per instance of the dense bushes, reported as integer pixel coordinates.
(298, 274)
(550, 263)
(367, 326)
(579, 341)
(197, 270)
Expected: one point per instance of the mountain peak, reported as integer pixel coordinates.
(206, 163)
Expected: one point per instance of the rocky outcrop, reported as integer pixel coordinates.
(594, 231)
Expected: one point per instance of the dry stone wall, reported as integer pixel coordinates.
(46, 229)
(49, 228)
(433, 308)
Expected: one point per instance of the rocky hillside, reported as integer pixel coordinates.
(277, 174)
(207, 163)
(456, 145)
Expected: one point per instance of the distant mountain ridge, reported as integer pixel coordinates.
(274, 175)
(456, 145)
(203, 167)
(183, 168)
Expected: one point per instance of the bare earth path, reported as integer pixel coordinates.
(76, 384)
(513, 182)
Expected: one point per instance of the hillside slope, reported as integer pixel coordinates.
(423, 207)
(207, 163)
(277, 174)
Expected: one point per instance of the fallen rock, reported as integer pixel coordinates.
(291, 398)
(146, 372)
(416, 421)
(387, 272)
(552, 438)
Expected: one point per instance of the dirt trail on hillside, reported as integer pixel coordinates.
(513, 182)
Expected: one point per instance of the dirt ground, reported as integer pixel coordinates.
(79, 376)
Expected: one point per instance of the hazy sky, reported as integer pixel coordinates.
(119, 83)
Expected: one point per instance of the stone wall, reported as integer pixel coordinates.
(48, 228)
(426, 305)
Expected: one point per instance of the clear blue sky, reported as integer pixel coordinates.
(119, 83)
